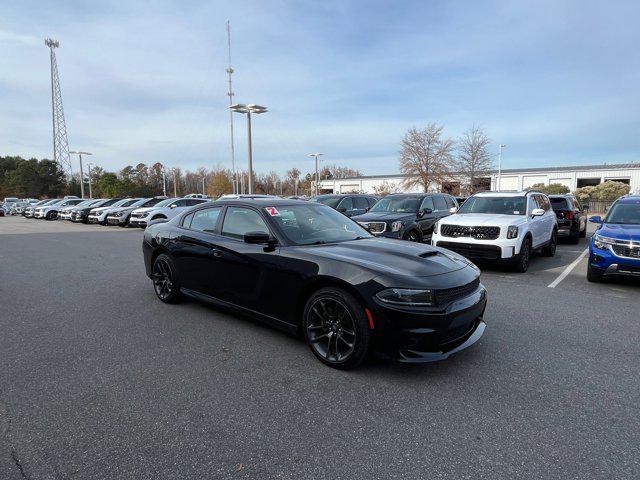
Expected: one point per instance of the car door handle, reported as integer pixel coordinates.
(216, 253)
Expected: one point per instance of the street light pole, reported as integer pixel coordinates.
(90, 165)
(316, 155)
(81, 172)
(164, 183)
(500, 167)
(248, 110)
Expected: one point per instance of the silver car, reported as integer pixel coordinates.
(121, 215)
(162, 211)
(99, 215)
(50, 212)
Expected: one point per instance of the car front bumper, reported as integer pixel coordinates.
(138, 222)
(115, 220)
(498, 249)
(608, 263)
(94, 219)
(415, 336)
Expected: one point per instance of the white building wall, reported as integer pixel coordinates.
(510, 180)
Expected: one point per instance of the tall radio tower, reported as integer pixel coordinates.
(230, 94)
(60, 142)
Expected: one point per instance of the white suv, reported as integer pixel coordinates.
(500, 226)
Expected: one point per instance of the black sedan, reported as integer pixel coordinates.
(304, 267)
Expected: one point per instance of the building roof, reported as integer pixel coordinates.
(570, 168)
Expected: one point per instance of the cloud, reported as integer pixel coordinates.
(8, 37)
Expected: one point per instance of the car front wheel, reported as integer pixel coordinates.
(550, 250)
(336, 328)
(593, 275)
(522, 259)
(413, 236)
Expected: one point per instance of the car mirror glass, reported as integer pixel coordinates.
(537, 212)
(453, 210)
(596, 219)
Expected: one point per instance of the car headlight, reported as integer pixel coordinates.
(436, 228)
(406, 296)
(512, 231)
(601, 242)
(396, 226)
(144, 215)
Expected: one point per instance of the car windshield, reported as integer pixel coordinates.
(329, 201)
(86, 203)
(397, 204)
(139, 202)
(558, 203)
(166, 202)
(315, 225)
(624, 213)
(129, 203)
(495, 205)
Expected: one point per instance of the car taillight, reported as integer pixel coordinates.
(568, 215)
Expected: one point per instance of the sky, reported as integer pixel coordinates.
(557, 82)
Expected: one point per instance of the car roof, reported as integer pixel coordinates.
(523, 193)
(630, 199)
(264, 202)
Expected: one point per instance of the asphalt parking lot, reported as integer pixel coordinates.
(99, 379)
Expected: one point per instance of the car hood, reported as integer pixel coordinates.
(119, 209)
(146, 209)
(620, 232)
(383, 217)
(99, 210)
(392, 257)
(484, 219)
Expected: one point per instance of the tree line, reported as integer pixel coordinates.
(33, 178)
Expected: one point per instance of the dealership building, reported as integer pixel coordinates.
(509, 179)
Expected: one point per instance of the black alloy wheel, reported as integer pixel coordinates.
(413, 236)
(522, 260)
(550, 250)
(51, 216)
(336, 328)
(165, 281)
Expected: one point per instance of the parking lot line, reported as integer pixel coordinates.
(568, 270)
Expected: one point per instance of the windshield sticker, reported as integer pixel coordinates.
(272, 211)
(516, 212)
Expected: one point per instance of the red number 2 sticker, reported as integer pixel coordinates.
(273, 211)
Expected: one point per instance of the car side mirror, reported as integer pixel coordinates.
(257, 237)
(342, 209)
(537, 212)
(173, 206)
(453, 210)
(424, 211)
(595, 219)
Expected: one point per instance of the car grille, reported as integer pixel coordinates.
(448, 295)
(479, 233)
(626, 251)
(375, 227)
(473, 250)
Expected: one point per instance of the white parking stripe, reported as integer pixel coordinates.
(567, 270)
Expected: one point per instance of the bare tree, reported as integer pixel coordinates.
(386, 189)
(426, 157)
(474, 160)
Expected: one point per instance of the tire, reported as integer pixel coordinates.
(522, 260)
(51, 216)
(575, 238)
(413, 236)
(593, 275)
(583, 233)
(550, 250)
(165, 279)
(331, 313)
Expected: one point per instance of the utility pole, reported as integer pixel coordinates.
(230, 94)
(89, 165)
(498, 187)
(203, 184)
(316, 155)
(164, 183)
(60, 141)
(81, 172)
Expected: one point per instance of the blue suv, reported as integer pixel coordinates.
(615, 247)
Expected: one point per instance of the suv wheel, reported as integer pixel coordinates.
(413, 236)
(522, 259)
(336, 328)
(583, 233)
(550, 250)
(51, 216)
(593, 275)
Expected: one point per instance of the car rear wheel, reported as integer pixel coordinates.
(583, 233)
(336, 328)
(593, 275)
(550, 250)
(165, 280)
(522, 259)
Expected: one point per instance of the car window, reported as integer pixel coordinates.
(559, 203)
(361, 203)
(179, 203)
(346, 203)
(240, 220)
(205, 220)
(372, 201)
(194, 201)
(440, 204)
(427, 202)
(543, 200)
